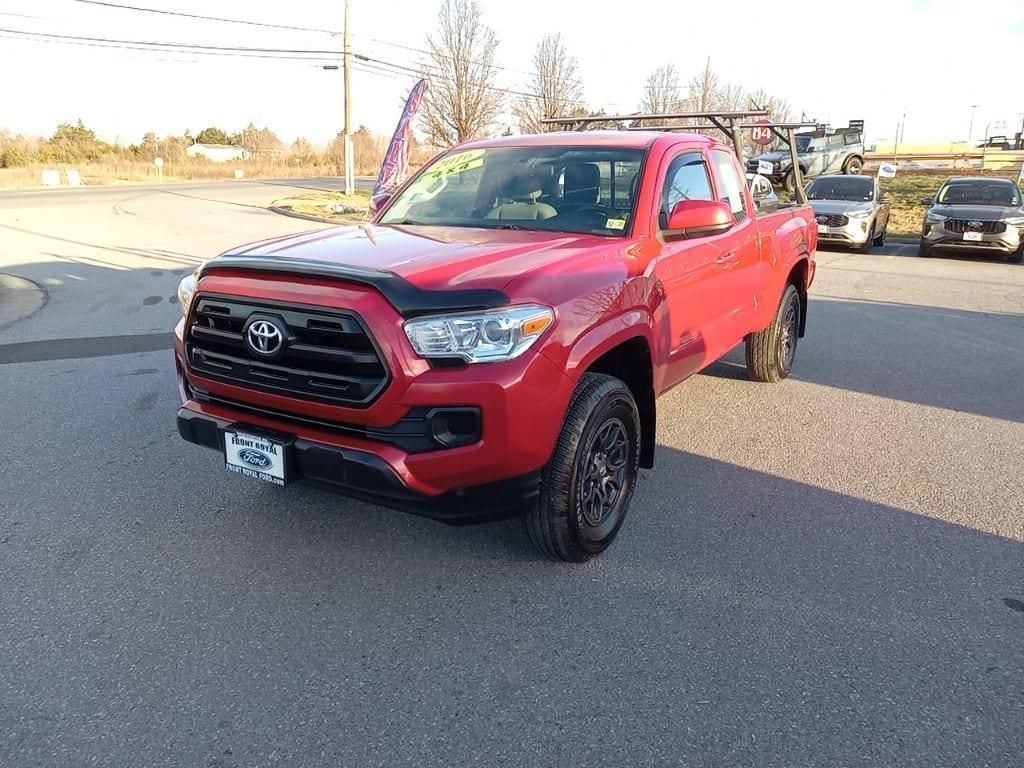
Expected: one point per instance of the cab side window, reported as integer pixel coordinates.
(686, 179)
(732, 188)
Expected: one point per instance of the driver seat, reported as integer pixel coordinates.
(581, 185)
(520, 201)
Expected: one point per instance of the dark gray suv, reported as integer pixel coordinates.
(978, 214)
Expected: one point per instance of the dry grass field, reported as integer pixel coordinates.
(323, 204)
(117, 171)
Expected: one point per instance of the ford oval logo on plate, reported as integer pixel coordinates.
(254, 458)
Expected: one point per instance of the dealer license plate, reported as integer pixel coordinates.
(974, 237)
(255, 456)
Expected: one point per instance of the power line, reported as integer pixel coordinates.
(321, 30)
(128, 46)
(246, 22)
(294, 54)
(162, 44)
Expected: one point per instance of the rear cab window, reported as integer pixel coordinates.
(730, 186)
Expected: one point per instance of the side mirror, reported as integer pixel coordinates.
(379, 201)
(927, 200)
(698, 218)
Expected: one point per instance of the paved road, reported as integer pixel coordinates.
(826, 572)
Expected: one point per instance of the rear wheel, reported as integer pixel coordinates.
(587, 485)
(789, 184)
(853, 166)
(770, 352)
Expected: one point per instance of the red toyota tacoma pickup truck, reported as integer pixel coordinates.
(493, 342)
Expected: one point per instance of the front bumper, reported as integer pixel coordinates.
(368, 476)
(856, 232)
(521, 403)
(938, 237)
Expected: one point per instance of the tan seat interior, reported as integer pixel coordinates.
(520, 201)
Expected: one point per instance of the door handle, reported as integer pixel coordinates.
(726, 259)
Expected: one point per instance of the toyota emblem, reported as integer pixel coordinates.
(265, 337)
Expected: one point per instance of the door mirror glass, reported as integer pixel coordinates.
(699, 218)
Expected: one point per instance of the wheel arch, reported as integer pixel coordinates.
(630, 361)
(797, 277)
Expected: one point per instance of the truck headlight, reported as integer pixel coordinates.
(858, 214)
(480, 337)
(186, 290)
(1015, 221)
(934, 217)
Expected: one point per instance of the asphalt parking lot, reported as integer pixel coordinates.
(824, 572)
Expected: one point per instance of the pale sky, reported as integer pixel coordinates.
(869, 59)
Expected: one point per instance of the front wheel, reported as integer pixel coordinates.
(923, 249)
(865, 247)
(770, 352)
(1017, 257)
(880, 237)
(587, 485)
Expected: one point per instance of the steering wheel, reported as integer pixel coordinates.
(604, 210)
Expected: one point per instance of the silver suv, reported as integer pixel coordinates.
(975, 214)
(850, 210)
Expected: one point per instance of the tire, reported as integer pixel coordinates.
(923, 249)
(770, 352)
(880, 238)
(789, 184)
(1017, 257)
(587, 485)
(865, 247)
(853, 166)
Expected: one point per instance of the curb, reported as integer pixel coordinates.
(284, 210)
(19, 298)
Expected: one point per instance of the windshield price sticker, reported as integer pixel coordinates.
(615, 224)
(457, 163)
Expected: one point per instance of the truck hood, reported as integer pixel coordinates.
(774, 156)
(979, 212)
(431, 257)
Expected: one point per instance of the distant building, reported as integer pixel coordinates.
(218, 153)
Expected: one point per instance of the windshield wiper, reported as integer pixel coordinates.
(510, 226)
(405, 223)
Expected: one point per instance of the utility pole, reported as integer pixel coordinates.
(350, 165)
(970, 130)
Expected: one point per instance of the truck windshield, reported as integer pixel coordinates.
(566, 189)
(850, 188)
(979, 193)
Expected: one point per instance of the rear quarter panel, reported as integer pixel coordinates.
(787, 237)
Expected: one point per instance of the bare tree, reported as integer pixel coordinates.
(556, 82)
(661, 91)
(462, 102)
(704, 94)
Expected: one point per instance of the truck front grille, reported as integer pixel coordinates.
(973, 225)
(832, 219)
(325, 354)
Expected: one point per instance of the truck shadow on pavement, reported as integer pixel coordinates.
(734, 580)
(947, 358)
